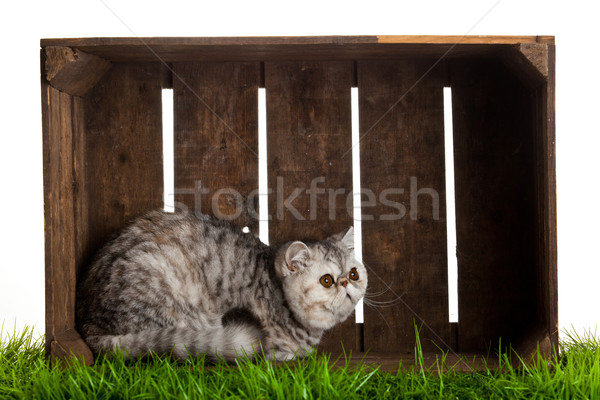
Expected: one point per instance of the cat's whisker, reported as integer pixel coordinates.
(372, 292)
(391, 301)
(377, 294)
(387, 303)
(388, 286)
(380, 314)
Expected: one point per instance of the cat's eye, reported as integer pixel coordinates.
(326, 280)
(353, 274)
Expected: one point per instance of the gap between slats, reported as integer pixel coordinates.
(450, 209)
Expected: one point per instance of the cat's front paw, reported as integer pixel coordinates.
(282, 356)
(287, 355)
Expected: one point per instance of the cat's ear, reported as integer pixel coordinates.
(346, 237)
(296, 256)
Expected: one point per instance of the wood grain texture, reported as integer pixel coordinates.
(291, 48)
(465, 39)
(543, 333)
(216, 139)
(389, 361)
(59, 205)
(404, 244)
(47, 151)
(528, 62)
(123, 150)
(67, 345)
(495, 204)
(73, 71)
(308, 131)
(247, 41)
(544, 120)
(534, 66)
(537, 55)
(549, 195)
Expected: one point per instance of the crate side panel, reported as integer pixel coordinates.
(47, 151)
(59, 198)
(495, 206)
(547, 201)
(403, 210)
(308, 132)
(546, 331)
(216, 139)
(123, 149)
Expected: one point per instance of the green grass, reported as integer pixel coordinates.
(25, 373)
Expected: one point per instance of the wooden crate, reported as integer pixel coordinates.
(102, 126)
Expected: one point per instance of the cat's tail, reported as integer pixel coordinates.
(228, 342)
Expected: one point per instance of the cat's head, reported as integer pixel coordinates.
(322, 281)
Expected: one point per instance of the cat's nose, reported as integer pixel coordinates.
(343, 282)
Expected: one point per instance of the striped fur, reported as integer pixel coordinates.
(191, 284)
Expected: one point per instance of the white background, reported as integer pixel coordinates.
(574, 23)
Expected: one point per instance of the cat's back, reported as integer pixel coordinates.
(165, 262)
(171, 236)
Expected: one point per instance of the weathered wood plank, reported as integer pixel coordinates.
(537, 55)
(404, 243)
(390, 361)
(47, 150)
(69, 344)
(544, 122)
(59, 211)
(548, 200)
(123, 150)
(73, 71)
(528, 62)
(308, 132)
(62, 132)
(290, 48)
(468, 39)
(216, 139)
(495, 203)
(175, 42)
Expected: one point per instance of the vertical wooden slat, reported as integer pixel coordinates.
(404, 244)
(547, 212)
(62, 123)
(47, 150)
(495, 206)
(543, 334)
(308, 132)
(216, 139)
(123, 149)
(59, 211)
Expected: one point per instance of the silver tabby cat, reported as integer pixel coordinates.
(185, 284)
